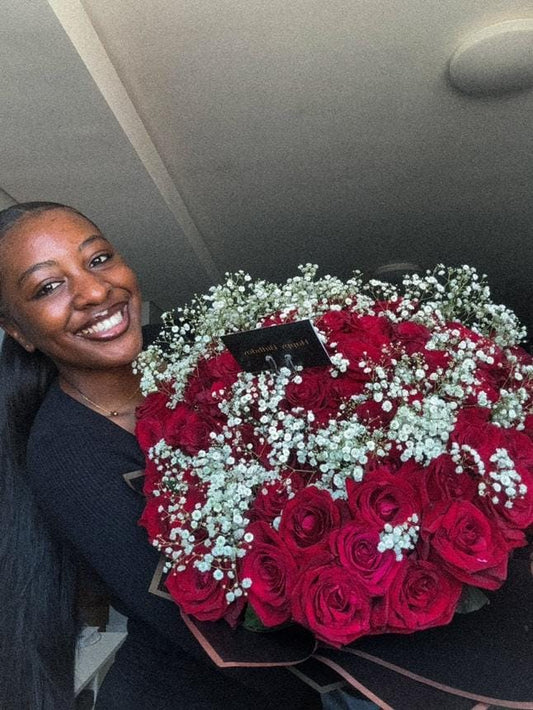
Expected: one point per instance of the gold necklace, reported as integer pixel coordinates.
(106, 412)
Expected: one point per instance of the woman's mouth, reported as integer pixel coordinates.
(107, 326)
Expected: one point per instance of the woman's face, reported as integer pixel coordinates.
(66, 292)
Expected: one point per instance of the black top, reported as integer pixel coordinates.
(76, 458)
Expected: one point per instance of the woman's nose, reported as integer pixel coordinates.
(90, 289)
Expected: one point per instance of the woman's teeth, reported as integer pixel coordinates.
(104, 325)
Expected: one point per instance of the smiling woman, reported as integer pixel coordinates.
(70, 306)
(70, 295)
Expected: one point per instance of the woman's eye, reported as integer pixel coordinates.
(101, 259)
(47, 289)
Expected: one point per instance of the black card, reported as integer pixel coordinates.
(277, 346)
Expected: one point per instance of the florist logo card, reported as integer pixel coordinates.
(277, 346)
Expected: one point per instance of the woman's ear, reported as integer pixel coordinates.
(13, 330)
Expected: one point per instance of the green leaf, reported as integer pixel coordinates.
(253, 623)
(471, 599)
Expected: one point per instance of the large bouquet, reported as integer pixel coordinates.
(376, 494)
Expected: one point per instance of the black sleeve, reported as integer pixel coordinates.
(80, 488)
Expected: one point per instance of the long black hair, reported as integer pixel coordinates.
(37, 573)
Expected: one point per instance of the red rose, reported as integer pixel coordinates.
(435, 360)
(273, 497)
(524, 358)
(491, 378)
(272, 569)
(206, 401)
(470, 421)
(412, 336)
(196, 385)
(379, 611)
(313, 392)
(474, 429)
(421, 596)
(366, 342)
(156, 522)
(332, 603)
(195, 434)
(372, 414)
(186, 429)
(223, 368)
(512, 521)
(376, 330)
(308, 519)
(246, 437)
(188, 502)
(337, 321)
(519, 447)
(528, 426)
(152, 477)
(212, 375)
(198, 593)
(440, 481)
(151, 415)
(382, 497)
(356, 548)
(469, 546)
(159, 523)
(351, 382)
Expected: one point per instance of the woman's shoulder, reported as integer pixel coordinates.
(70, 441)
(58, 416)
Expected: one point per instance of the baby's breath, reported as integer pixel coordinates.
(399, 538)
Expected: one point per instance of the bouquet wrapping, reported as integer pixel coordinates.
(382, 492)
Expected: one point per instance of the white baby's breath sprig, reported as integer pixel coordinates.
(400, 538)
(422, 428)
(505, 482)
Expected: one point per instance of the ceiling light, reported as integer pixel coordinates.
(395, 271)
(495, 60)
(398, 266)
